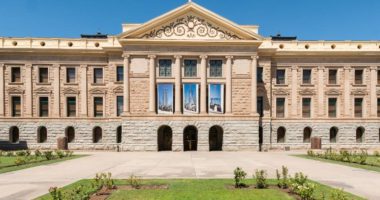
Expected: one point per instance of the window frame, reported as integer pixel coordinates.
(194, 70)
(40, 107)
(12, 110)
(40, 77)
(284, 107)
(118, 76)
(356, 115)
(67, 79)
(336, 77)
(218, 71)
(303, 106)
(336, 107)
(277, 77)
(119, 114)
(260, 74)
(361, 78)
(95, 106)
(11, 73)
(309, 82)
(94, 77)
(68, 106)
(167, 69)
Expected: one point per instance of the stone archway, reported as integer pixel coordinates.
(216, 138)
(190, 138)
(165, 138)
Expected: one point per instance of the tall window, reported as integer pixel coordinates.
(332, 107)
(119, 73)
(71, 106)
(280, 76)
(44, 106)
(260, 74)
(306, 107)
(98, 75)
(165, 68)
(333, 79)
(260, 106)
(216, 69)
(70, 75)
(98, 106)
(16, 74)
(119, 105)
(358, 107)
(306, 76)
(280, 107)
(378, 77)
(378, 107)
(16, 106)
(190, 68)
(43, 74)
(359, 76)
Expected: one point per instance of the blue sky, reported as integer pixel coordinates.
(307, 19)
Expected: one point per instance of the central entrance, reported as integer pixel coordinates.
(190, 138)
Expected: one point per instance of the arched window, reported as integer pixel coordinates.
(41, 134)
(164, 138)
(70, 134)
(118, 134)
(97, 134)
(307, 134)
(281, 135)
(190, 138)
(14, 134)
(360, 134)
(333, 134)
(216, 138)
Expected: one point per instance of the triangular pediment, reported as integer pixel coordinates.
(190, 22)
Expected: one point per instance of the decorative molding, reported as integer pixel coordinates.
(333, 92)
(98, 91)
(126, 55)
(70, 90)
(359, 92)
(229, 57)
(373, 68)
(43, 90)
(203, 56)
(15, 90)
(190, 27)
(281, 92)
(152, 57)
(307, 91)
(118, 89)
(255, 57)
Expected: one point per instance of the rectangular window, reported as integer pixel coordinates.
(216, 69)
(306, 107)
(98, 106)
(119, 73)
(119, 105)
(378, 107)
(280, 107)
(71, 106)
(260, 74)
(378, 77)
(190, 68)
(306, 76)
(44, 106)
(70, 75)
(165, 68)
(332, 107)
(333, 76)
(358, 107)
(98, 75)
(280, 76)
(16, 74)
(43, 74)
(16, 106)
(260, 106)
(358, 76)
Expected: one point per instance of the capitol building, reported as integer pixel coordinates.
(188, 80)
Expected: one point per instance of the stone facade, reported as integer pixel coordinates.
(189, 32)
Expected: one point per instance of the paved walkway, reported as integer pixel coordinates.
(33, 182)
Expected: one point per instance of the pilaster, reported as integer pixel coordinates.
(56, 90)
(2, 90)
(83, 91)
(321, 94)
(126, 85)
(295, 85)
(178, 76)
(372, 93)
(152, 84)
(254, 85)
(203, 83)
(28, 90)
(229, 84)
(347, 89)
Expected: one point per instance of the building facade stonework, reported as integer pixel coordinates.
(127, 91)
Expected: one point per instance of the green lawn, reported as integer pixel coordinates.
(373, 160)
(199, 189)
(7, 163)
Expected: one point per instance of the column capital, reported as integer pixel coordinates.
(126, 55)
(347, 67)
(177, 56)
(2, 64)
(83, 66)
(203, 56)
(294, 68)
(371, 68)
(56, 65)
(229, 57)
(28, 65)
(152, 56)
(321, 68)
(255, 57)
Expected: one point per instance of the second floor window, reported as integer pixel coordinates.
(332, 107)
(15, 75)
(306, 107)
(165, 68)
(216, 69)
(16, 106)
(280, 76)
(190, 68)
(119, 73)
(358, 76)
(98, 106)
(378, 108)
(70, 75)
(306, 76)
(333, 76)
(260, 106)
(98, 75)
(280, 107)
(260, 75)
(43, 74)
(378, 77)
(358, 107)
(119, 105)
(44, 106)
(71, 106)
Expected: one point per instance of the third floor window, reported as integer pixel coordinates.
(333, 76)
(280, 76)
(216, 68)
(358, 76)
(43, 74)
(306, 76)
(165, 68)
(15, 75)
(260, 74)
(119, 73)
(190, 68)
(378, 77)
(70, 75)
(98, 75)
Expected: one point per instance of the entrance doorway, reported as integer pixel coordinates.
(216, 138)
(165, 138)
(190, 138)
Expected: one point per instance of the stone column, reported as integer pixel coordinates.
(83, 91)
(2, 96)
(152, 84)
(203, 84)
(56, 91)
(254, 85)
(126, 85)
(347, 89)
(178, 76)
(294, 106)
(28, 90)
(229, 85)
(321, 95)
(373, 95)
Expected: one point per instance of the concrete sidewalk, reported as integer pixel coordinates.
(33, 182)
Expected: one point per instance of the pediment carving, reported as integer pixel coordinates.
(15, 90)
(43, 90)
(307, 91)
(333, 92)
(70, 90)
(98, 91)
(281, 92)
(359, 92)
(118, 89)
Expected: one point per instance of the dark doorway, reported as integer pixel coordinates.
(165, 138)
(118, 134)
(190, 138)
(97, 134)
(41, 134)
(70, 134)
(260, 138)
(216, 138)
(14, 134)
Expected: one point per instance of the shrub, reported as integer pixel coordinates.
(261, 179)
(299, 178)
(48, 155)
(361, 157)
(10, 154)
(375, 153)
(310, 153)
(20, 153)
(55, 193)
(37, 153)
(338, 195)
(20, 161)
(135, 181)
(306, 191)
(1, 153)
(68, 153)
(239, 176)
(283, 178)
(60, 154)
(104, 180)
